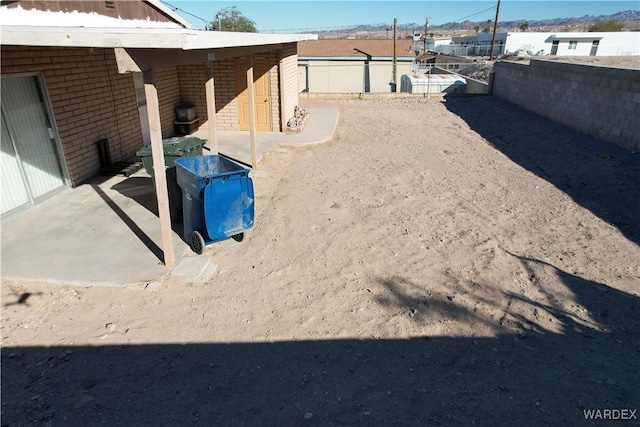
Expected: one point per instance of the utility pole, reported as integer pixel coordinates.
(394, 79)
(495, 27)
(426, 28)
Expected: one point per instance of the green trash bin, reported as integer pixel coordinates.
(173, 148)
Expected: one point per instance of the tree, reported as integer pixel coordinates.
(606, 26)
(487, 29)
(524, 27)
(230, 19)
(476, 29)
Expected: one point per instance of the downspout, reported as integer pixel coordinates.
(394, 79)
(366, 78)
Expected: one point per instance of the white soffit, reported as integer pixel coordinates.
(152, 38)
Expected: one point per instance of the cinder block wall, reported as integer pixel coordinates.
(89, 98)
(599, 101)
(476, 87)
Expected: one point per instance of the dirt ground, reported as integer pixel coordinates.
(453, 261)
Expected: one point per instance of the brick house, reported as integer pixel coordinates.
(93, 77)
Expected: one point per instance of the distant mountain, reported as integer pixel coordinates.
(630, 18)
(628, 15)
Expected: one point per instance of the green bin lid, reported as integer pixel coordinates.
(175, 146)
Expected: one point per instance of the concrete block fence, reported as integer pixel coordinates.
(603, 102)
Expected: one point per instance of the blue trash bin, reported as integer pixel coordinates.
(217, 200)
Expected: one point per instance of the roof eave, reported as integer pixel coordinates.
(184, 39)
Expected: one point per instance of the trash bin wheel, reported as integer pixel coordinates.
(238, 237)
(197, 242)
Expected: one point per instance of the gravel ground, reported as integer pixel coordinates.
(448, 261)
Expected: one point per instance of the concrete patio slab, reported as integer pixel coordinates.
(102, 233)
(107, 233)
(320, 128)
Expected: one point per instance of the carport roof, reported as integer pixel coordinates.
(139, 38)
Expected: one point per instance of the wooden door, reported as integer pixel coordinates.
(261, 91)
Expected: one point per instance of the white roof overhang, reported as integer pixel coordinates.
(140, 49)
(153, 38)
(575, 36)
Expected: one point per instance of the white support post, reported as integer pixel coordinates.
(252, 113)
(159, 170)
(211, 110)
(283, 93)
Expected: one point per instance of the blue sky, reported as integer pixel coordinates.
(310, 16)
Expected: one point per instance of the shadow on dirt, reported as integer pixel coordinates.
(601, 177)
(526, 377)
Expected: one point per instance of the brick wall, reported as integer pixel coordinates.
(168, 98)
(90, 101)
(599, 101)
(224, 73)
(274, 89)
(290, 73)
(193, 77)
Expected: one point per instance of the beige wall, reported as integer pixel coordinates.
(347, 76)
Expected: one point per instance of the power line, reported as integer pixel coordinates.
(176, 8)
(477, 13)
(335, 27)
